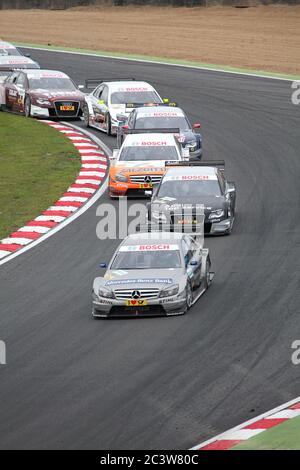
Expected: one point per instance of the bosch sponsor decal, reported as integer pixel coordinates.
(140, 281)
(38, 75)
(150, 247)
(190, 178)
(134, 89)
(5, 45)
(80, 192)
(159, 114)
(149, 143)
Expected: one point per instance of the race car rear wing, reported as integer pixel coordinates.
(218, 163)
(196, 231)
(152, 131)
(93, 82)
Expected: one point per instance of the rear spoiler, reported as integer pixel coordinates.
(196, 231)
(93, 82)
(218, 163)
(152, 131)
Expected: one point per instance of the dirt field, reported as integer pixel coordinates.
(262, 38)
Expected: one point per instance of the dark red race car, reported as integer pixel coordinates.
(42, 94)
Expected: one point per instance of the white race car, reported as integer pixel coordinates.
(112, 98)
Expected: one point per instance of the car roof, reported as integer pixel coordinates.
(180, 171)
(6, 45)
(127, 85)
(153, 238)
(46, 73)
(155, 111)
(15, 60)
(149, 138)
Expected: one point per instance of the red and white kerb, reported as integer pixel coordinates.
(90, 178)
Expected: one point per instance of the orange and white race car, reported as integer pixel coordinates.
(140, 163)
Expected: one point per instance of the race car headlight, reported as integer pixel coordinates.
(122, 178)
(43, 102)
(168, 291)
(192, 145)
(103, 292)
(216, 214)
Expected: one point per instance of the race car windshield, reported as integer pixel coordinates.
(147, 260)
(195, 188)
(51, 83)
(141, 97)
(178, 122)
(141, 153)
(9, 52)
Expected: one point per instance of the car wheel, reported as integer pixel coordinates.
(86, 116)
(27, 107)
(108, 124)
(207, 280)
(189, 296)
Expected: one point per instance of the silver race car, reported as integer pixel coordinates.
(153, 274)
(113, 97)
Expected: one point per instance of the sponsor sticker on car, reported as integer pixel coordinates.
(150, 247)
(116, 282)
(136, 303)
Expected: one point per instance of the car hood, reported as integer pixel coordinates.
(210, 202)
(57, 95)
(149, 166)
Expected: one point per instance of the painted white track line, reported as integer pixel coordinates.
(158, 62)
(251, 428)
(88, 187)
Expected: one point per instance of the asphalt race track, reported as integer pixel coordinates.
(164, 383)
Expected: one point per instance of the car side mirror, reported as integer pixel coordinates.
(115, 154)
(103, 265)
(101, 101)
(194, 263)
(230, 188)
(197, 125)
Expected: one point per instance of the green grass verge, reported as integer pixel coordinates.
(285, 436)
(37, 164)
(165, 60)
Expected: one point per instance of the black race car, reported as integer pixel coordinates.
(186, 186)
(163, 116)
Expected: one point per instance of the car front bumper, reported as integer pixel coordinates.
(103, 308)
(221, 227)
(118, 189)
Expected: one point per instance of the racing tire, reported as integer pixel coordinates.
(207, 280)
(189, 297)
(108, 124)
(27, 107)
(86, 116)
